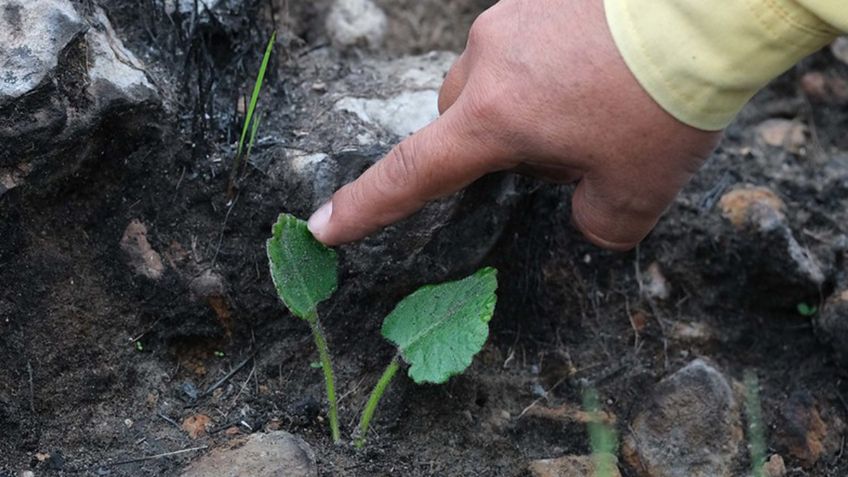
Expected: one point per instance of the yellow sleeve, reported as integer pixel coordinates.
(702, 60)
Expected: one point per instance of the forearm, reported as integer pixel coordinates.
(702, 61)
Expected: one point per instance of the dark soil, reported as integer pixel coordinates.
(100, 365)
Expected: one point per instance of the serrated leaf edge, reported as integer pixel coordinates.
(485, 316)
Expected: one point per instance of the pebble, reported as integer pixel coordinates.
(568, 466)
(271, 454)
(353, 23)
(141, 256)
(689, 427)
(783, 133)
(774, 467)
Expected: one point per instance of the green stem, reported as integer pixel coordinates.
(376, 394)
(329, 379)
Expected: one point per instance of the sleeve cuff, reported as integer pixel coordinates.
(702, 60)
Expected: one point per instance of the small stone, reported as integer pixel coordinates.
(27, 473)
(839, 48)
(803, 433)
(831, 325)
(128, 422)
(783, 133)
(824, 87)
(140, 254)
(569, 466)
(195, 426)
(752, 206)
(691, 332)
(354, 23)
(656, 286)
(270, 454)
(779, 271)
(690, 426)
(774, 467)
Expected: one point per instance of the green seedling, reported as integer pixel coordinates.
(219, 354)
(251, 124)
(754, 415)
(602, 438)
(304, 274)
(437, 330)
(138, 346)
(807, 310)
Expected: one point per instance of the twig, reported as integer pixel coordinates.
(31, 388)
(227, 377)
(154, 457)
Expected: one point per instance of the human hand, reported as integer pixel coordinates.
(540, 89)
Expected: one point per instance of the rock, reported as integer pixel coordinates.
(273, 454)
(692, 332)
(353, 23)
(774, 467)
(783, 133)
(839, 48)
(401, 115)
(448, 237)
(803, 433)
(777, 270)
(751, 206)
(655, 286)
(690, 426)
(568, 466)
(825, 88)
(831, 325)
(195, 426)
(140, 254)
(69, 88)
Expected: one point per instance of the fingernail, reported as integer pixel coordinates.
(317, 224)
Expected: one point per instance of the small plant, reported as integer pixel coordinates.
(304, 274)
(250, 123)
(806, 310)
(754, 415)
(602, 438)
(437, 329)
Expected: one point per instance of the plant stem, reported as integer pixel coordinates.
(329, 379)
(376, 394)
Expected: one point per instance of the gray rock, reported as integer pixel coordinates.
(68, 88)
(275, 454)
(356, 23)
(334, 146)
(690, 427)
(831, 325)
(778, 269)
(32, 35)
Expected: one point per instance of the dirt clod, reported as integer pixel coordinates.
(141, 256)
(197, 425)
(567, 466)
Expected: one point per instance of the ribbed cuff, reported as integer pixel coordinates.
(703, 60)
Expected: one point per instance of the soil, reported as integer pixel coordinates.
(101, 366)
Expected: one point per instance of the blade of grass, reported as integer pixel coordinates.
(257, 87)
(756, 432)
(253, 132)
(251, 109)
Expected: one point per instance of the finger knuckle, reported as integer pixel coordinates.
(401, 167)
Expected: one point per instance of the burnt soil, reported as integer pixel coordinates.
(79, 396)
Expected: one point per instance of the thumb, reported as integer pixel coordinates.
(618, 216)
(438, 160)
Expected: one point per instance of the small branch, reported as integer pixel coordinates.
(374, 400)
(329, 378)
(154, 457)
(227, 377)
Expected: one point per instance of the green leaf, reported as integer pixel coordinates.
(439, 328)
(303, 269)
